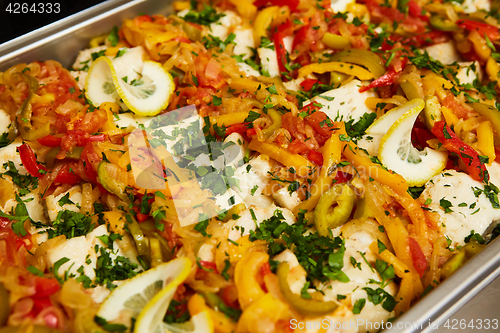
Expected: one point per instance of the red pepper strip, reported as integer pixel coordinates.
(29, 161)
(50, 141)
(315, 157)
(45, 287)
(292, 4)
(208, 265)
(428, 38)
(483, 28)
(307, 84)
(416, 11)
(236, 128)
(467, 154)
(387, 79)
(65, 176)
(284, 30)
(265, 269)
(417, 256)
(342, 177)
(251, 131)
(140, 217)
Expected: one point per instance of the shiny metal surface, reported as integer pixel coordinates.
(430, 313)
(62, 40)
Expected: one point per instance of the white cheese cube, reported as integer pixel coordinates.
(460, 211)
(269, 61)
(10, 153)
(84, 57)
(446, 52)
(253, 178)
(244, 42)
(54, 206)
(5, 122)
(347, 103)
(468, 72)
(242, 226)
(340, 6)
(286, 199)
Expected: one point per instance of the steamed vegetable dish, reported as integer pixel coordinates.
(250, 166)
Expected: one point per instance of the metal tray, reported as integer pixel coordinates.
(63, 39)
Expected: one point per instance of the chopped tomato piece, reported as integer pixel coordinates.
(417, 256)
(45, 287)
(475, 166)
(315, 157)
(67, 176)
(307, 84)
(50, 141)
(483, 28)
(29, 161)
(297, 147)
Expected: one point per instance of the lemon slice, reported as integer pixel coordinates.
(398, 154)
(145, 296)
(145, 93)
(380, 126)
(199, 323)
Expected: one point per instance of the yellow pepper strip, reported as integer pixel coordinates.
(489, 112)
(306, 307)
(342, 67)
(376, 198)
(364, 58)
(336, 42)
(327, 218)
(245, 8)
(276, 118)
(242, 85)
(222, 324)
(331, 156)
(417, 217)
(181, 5)
(301, 165)
(485, 140)
(449, 116)
(410, 90)
(230, 118)
(156, 253)
(364, 164)
(405, 293)
(263, 314)
(262, 23)
(492, 69)
(97, 41)
(396, 231)
(479, 45)
(432, 111)
(245, 275)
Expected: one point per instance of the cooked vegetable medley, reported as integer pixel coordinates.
(250, 166)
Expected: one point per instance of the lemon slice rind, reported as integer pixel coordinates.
(398, 154)
(137, 294)
(381, 125)
(148, 98)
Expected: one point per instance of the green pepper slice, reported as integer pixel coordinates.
(306, 307)
(327, 218)
(440, 23)
(50, 157)
(106, 173)
(364, 58)
(276, 125)
(336, 42)
(23, 115)
(453, 264)
(138, 236)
